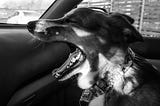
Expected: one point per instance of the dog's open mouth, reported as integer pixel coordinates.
(75, 59)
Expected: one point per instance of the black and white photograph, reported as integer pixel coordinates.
(79, 53)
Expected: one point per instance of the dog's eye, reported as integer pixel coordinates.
(70, 21)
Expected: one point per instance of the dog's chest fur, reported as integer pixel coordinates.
(122, 81)
(129, 86)
(117, 79)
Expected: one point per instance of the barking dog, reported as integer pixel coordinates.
(109, 71)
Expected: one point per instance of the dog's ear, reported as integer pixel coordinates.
(128, 18)
(124, 24)
(131, 35)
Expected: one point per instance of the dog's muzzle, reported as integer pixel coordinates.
(41, 31)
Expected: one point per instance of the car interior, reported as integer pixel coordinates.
(26, 64)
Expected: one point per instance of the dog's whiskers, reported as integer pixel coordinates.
(40, 44)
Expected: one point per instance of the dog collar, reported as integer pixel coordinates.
(99, 88)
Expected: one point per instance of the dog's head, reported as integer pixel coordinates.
(91, 32)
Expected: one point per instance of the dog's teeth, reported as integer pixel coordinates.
(78, 56)
(68, 66)
(81, 58)
(73, 60)
(70, 63)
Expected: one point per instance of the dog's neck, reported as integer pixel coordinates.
(117, 55)
(114, 66)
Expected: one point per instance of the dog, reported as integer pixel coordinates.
(110, 73)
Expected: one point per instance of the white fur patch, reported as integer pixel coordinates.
(101, 40)
(102, 62)
(81, 47)
(86, 77)
(81, 33)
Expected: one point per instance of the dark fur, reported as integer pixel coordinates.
(107, 31)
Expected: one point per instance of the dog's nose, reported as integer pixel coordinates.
(45, 29)
(31, 26)
(39, 25)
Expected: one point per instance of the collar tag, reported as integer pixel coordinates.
(99, 88)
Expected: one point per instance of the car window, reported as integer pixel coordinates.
(22, 11)
(146, 13)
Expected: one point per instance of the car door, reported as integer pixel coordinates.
(26, 63)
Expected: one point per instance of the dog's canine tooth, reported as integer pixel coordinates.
(79, 55)
(70, 63)
(73, 59)
(68, 66)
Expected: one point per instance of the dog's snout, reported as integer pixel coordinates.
(37, 26)
(45, 28)
(50, 33)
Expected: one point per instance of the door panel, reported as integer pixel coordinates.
(24, 59)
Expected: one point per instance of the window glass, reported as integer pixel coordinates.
(146, 13)
(97, 3)
(22, 11)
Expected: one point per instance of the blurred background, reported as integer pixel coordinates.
(145, 12)
(22, 11)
